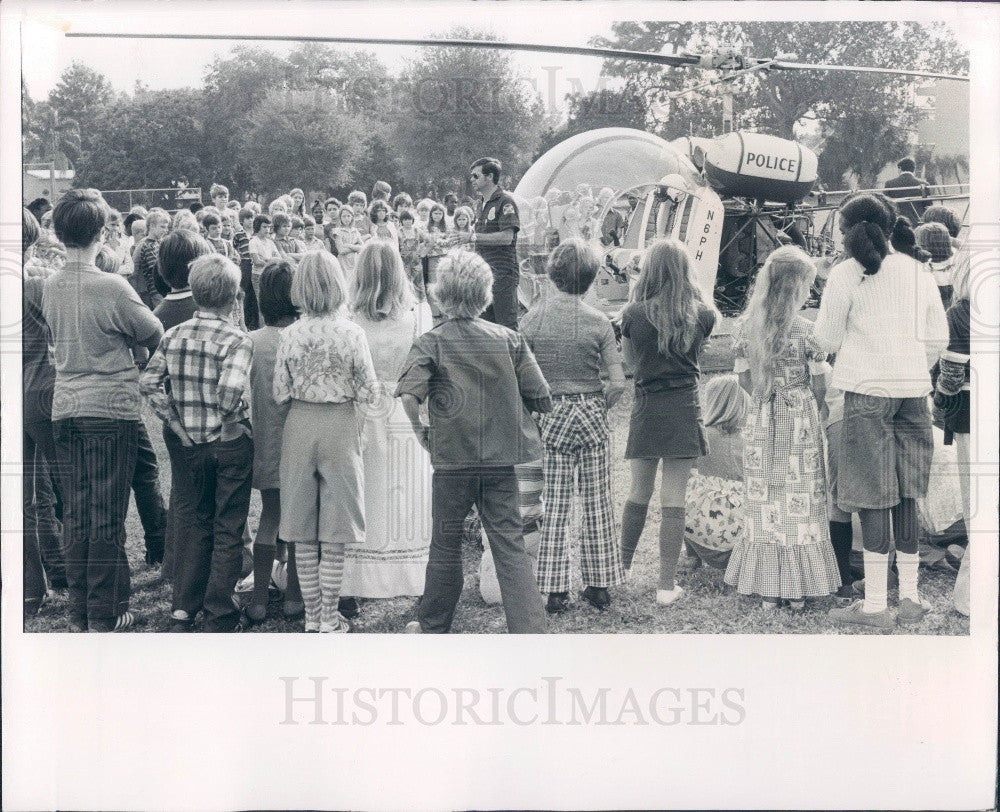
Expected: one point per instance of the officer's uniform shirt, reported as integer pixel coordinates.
(499, 213)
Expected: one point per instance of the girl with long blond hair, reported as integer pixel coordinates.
(323, 369)
(664, 330)
(785, 554)
(397, 471)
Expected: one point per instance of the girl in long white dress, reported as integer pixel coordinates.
(393, 559)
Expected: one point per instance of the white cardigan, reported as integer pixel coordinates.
(887, 329)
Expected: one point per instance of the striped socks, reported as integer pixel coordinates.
(331, 574)
(307, 562)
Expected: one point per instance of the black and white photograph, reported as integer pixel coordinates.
(671, 326)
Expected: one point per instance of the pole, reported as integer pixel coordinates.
(727, 108)
(52, 166)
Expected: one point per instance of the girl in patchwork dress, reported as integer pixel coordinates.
(786, 553)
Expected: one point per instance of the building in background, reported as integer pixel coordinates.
(42, 180)
(940, 141)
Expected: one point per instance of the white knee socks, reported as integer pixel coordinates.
(876, 581)
(907, 564)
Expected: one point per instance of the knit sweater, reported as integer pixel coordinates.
(887, 329)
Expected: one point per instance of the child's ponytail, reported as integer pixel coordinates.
(903, 238)
(866, 243)
(867, 224)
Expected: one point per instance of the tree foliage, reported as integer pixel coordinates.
(299, 138)
(148, 141)
(81, 95)
(454, 105)
(622, 107)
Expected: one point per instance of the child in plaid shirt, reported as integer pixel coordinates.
(197, 382)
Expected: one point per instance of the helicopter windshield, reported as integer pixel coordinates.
(634, 218)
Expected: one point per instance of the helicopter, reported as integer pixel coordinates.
(731, 199)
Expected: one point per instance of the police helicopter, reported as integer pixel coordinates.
(731, 199)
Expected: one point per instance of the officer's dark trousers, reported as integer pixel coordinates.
(504, 308)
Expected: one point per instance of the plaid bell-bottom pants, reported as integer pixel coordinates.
(577, 459)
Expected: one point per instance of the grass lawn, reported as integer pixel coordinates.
(708, 607)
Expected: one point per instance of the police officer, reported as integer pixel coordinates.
(495, 239)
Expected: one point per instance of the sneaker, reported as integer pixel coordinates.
(954, 554)
(557, 603)
(413, 627)
(854, 614)
(33, 606)
(349, 607)
(338, 625)
(911, 611)
(123, 623)
(664, 597)
(256, 613)
(769, 604)
(597, 596)
(312, 626)
(845, 591)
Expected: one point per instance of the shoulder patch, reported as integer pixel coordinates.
(508, 208)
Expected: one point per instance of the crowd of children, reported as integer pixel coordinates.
(276, 363)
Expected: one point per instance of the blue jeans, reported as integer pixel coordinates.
(96, 458)
(494, 492)
(212, 501)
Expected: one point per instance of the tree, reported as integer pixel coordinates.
(454, 105)
(147, 142)
(233, 87)
(861, 145)
(299, 138)
(81, 95)
(357, 84)
(594, 110)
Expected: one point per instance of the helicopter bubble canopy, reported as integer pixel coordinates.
(614, 157)
(690, 213)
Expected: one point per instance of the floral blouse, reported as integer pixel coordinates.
(324, 359)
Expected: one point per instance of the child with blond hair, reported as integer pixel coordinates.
(785, 554)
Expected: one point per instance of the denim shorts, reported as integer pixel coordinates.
(885, 451)
(834, 440)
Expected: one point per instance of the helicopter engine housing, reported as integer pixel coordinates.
(761, 167)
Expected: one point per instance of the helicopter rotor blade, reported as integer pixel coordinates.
(782, 65)
(706, 61)
(668, 60)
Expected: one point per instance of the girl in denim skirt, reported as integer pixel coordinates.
(664, 328)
